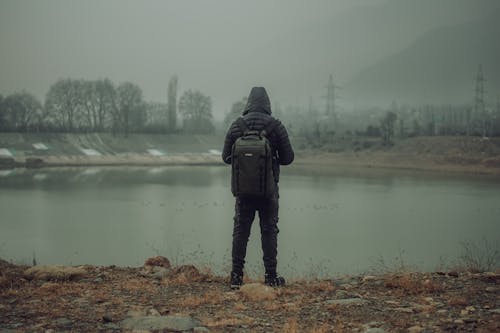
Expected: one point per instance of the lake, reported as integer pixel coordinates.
(331, 221)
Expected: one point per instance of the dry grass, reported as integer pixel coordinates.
(218, 322)
(320, 286)
(256, 292)
(210, 297)
(291, 326)
(239, 306)
(457, 301)
(273, 306)
(412, 285)
(184, 275)
(135, 284)
(324, 329)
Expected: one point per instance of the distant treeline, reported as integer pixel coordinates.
(319, 127)
(97, 106)
(100, 106)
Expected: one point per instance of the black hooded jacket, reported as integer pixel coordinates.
(257, 115)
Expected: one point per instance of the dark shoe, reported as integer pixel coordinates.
(236, 280)
(274, 281)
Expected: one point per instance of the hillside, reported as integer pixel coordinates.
(439, 67)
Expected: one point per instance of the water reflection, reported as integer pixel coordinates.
(331, 221)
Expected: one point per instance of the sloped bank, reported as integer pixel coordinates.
(471, 155)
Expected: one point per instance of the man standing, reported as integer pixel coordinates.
(257, 117)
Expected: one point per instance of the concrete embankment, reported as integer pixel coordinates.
(471, 155)
(58, 149)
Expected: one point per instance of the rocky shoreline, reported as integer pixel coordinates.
(160, 298)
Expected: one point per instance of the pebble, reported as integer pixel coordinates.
(346, 301)
(341, 294)
(200, 329)
(415, 329)
(107, 319)
(470, 320)
(112, 326)
(346, 286)
(153, 312)
(164, 323)
(374, 330)
(368, 278)
(458, 321)
(63, 322)
(405, 310)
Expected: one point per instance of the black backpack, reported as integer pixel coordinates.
(251, 161)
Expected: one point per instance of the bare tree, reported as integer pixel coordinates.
(236, 111)
(63, 103)
(21, 111)
(131, 107)
(196, 109)
(387, 127)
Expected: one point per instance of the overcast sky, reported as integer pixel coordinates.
(221, 47)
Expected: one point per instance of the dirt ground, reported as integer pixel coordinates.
(93, 298)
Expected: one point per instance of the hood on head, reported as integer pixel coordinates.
(258, 101)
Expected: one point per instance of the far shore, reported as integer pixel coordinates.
(304, 159)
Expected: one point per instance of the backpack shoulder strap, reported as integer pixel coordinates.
(270, 127)
(242, 125)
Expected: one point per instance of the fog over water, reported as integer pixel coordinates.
(224, 47)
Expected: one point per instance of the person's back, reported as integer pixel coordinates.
(257, 117)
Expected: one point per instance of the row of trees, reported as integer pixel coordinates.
(319, 128)
(97, 106)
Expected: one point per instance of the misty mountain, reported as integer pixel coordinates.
(439, 67)
(346, 42)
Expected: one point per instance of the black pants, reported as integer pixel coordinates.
(244, 215)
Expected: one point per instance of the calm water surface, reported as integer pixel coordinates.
(330, 222)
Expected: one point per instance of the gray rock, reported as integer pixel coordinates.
(173, 323)
(200, 329)
(404, 310)
(111, 326)
(347, 301)
(63, 322)
(375, 330)
(54, 272)
(342, 294)
(495, 311)
(159, 272)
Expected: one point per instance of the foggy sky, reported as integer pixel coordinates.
(221, 47)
